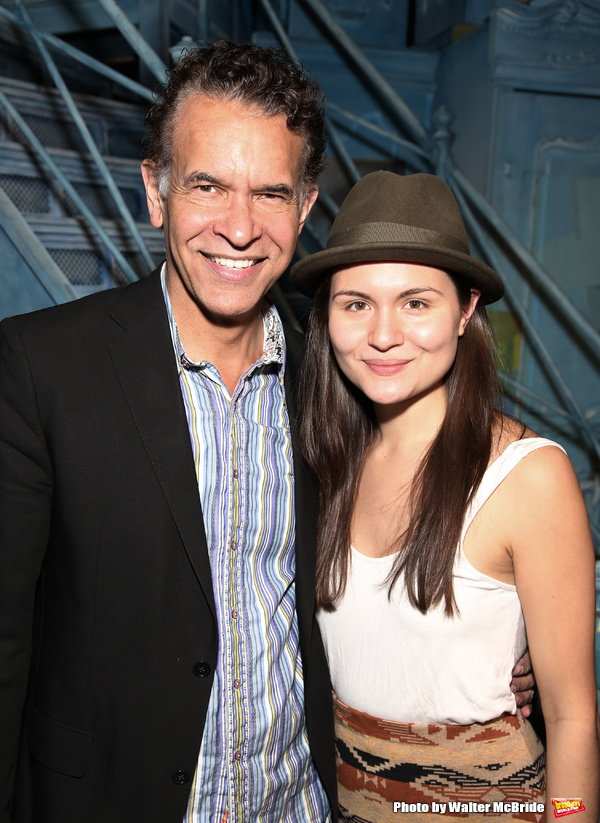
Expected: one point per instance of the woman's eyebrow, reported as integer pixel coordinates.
(350, 293)
(401, 295)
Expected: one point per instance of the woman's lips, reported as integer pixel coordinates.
(385, 368)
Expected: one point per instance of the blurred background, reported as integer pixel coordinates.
(498, 97)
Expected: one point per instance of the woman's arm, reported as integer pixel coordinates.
(553, 561)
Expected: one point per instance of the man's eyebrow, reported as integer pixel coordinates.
(279, 188)
(202, 177)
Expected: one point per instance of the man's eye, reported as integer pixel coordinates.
(272, 198)
(206, 187)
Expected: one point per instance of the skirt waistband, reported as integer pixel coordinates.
(420, 733)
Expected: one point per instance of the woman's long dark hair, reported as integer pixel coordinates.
(337, 428)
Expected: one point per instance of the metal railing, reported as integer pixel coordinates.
(418, 148)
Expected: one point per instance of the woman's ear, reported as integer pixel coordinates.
(467, 311)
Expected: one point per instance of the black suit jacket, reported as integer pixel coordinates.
(104, 562)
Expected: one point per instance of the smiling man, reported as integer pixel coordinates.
(157, 524)
(232, 210)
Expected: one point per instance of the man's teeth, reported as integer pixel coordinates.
(231, 264)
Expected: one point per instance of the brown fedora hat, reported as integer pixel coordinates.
(406, 219)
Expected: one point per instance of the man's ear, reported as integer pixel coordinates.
(309, 200)
(153, 196)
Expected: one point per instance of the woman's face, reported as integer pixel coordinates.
(394, 328)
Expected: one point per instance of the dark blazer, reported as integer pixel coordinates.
(104, 562)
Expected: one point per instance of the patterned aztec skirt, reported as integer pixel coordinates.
(493, 771)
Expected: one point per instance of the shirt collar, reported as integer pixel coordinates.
(273, 340)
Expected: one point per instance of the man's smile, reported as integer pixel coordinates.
(232, 263)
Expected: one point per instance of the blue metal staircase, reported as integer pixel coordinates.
(388, 108)
(499, 99)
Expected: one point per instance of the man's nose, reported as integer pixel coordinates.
(386, 330)
(239, 222)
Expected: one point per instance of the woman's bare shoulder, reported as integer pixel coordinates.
(547, 474)
(506, 431)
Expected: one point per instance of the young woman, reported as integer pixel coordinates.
(450, 535)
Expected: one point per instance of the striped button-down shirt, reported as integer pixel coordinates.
(254, 763)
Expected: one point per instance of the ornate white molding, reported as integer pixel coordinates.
(568, 144)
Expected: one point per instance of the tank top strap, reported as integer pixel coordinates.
(499, 470)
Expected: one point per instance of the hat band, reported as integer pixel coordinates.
(395, 233)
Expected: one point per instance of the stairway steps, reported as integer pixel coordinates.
(33, 188)
(118, 130)
(82, 256)
(116, 127)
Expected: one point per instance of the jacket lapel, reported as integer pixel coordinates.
(144, 359)
(306, 503)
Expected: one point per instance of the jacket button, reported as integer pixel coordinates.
(181, 777)
(201, 669)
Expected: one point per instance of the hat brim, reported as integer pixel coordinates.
(307, 274)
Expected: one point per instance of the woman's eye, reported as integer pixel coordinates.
(357, 305)
(415, 304)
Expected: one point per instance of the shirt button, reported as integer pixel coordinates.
(181, 777)
(238, 755)
(236, 473)
(234, 614)
(237, 683)
(233, 545)
(201, 669)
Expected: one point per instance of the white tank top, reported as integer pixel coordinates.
(391, 661)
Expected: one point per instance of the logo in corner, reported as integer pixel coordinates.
(563, 807)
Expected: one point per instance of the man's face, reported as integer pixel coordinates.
(232, 214)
